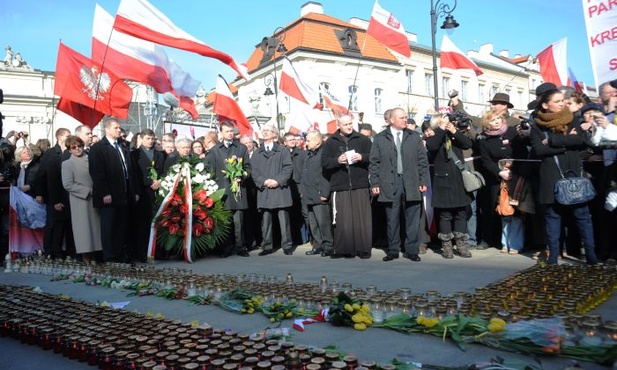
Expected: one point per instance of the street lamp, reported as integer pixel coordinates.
(437, 10)
(275, 44)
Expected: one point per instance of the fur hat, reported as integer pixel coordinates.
(502, 98)
(592, 106)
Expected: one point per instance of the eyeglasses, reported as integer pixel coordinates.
(72, 147)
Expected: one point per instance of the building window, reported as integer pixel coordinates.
(353, 98)
(428, 84)
(463, 92)
(378, 93)
(494, 90)
(409, 75)
(481, 96)
(445, 85)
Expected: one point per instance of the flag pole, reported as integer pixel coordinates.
(357, 70)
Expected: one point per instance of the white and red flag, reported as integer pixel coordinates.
(388, 30)
(554, 64)
(86, 115)
(141, 61)
(452, 57)
(292, 85)
(141, 19)
(82, 81)
(228, 109)
(332, 102)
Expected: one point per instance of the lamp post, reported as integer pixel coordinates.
(437, 10)
(276, 45)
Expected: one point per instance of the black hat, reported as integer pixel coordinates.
(613, 84)
(541, 89)
(547, 86)
(592, 106)
(502, 98)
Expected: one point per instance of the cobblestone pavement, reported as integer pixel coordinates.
(381, 345)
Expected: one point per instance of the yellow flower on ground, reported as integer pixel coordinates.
(359, 326)
(348, 308)
(357, 318)
(428, 322)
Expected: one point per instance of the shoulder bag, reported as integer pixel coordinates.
(574, 189)
(472, 180)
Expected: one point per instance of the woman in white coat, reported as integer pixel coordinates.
(85, 218)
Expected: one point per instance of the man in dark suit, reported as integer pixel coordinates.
(148, 162)
(217, 159)
(49, 190)
(272, 168)
(113, 191)
(398, 173)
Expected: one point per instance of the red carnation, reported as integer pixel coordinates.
(209, 223)
(166, 213)
(176, 200)
(173, 229)
(200, 213)
(197, 229)
(175, 218)
(165, 222)
(209, 203)
(200, 196)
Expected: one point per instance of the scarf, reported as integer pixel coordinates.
(555, 122)
(499, 132)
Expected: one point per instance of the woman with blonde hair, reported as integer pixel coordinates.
(500, 145)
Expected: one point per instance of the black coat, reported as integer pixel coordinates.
(108, 175)
(298, 156)
(217, 159)
(382, 168)
(275, 165)
(30, 177)
(448, 189)
(48, 183)
(343, 177)
(567, 149)
(142, 168)
(508, 146)
(314, 184)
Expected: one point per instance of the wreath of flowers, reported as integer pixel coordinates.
(191, 219)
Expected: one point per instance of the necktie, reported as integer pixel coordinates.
(399, 157)
(126, 172)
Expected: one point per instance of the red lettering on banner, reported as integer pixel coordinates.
(612, 64)
(596, 10)
(603, 36)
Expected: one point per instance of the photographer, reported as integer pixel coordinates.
(449, 196)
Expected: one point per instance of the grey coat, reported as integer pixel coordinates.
(314, 184)
(382, 166)
(273, 165)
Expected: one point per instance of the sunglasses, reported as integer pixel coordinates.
(76, 147)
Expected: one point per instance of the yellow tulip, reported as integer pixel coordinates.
(348, 307)
(359, 326)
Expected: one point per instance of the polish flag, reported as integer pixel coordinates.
(388, 30)
(553, 63)
(82, 81)
(140, 19)
(80, 112)
(302, 119)
(141, 61)
(292, 85)
(228, 109)
(452, 57)
(574, 82)
(333, 103)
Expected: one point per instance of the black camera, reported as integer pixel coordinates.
(525, 123)
(459, 119)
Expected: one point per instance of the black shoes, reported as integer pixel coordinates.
(266, 252)
(327, 253)
(313, 252)
(365, 256)
(288, 252)
(482, 246)
(243, 253)
(390, 257)
(414, 257)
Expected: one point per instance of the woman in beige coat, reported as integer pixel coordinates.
(85, 218)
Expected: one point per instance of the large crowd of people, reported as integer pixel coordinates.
(346, 193)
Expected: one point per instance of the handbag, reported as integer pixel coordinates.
(573, 190)
(472, 180)
(504, 206)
